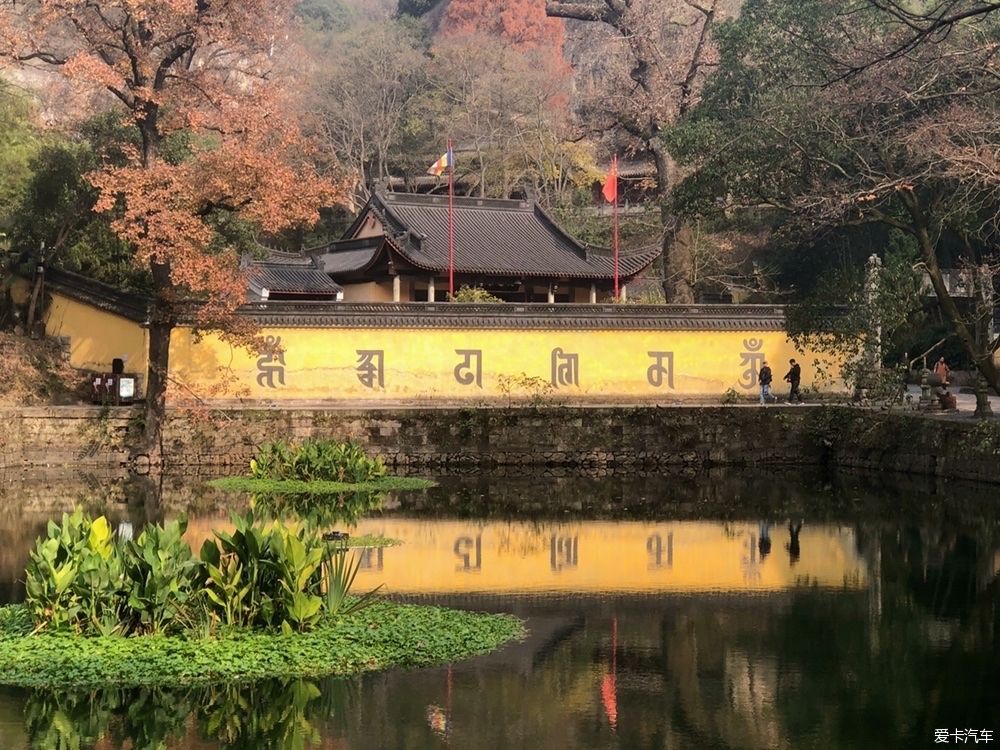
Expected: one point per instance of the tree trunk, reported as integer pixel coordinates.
(36, 293)
(160, 326)
(981, 356)
(675, 256)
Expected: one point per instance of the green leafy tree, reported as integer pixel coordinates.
(56, 210)
(19, 142)
(781, 129)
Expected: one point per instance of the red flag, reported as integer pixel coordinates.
(610, 189)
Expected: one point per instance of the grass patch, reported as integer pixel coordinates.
(382, 636)
(301, 487)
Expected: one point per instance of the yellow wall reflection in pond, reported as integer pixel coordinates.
(599, 557)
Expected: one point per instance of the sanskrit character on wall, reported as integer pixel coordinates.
(752, 359)
(371, 367)
(271, 364)
(662, 369)
(470, 369)
(565, 368)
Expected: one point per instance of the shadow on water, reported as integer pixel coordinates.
(691, 610)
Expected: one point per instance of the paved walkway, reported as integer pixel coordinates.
(966, 401)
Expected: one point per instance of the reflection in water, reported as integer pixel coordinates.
(443, 557)
(317, 509)
(272, 714)
(672, 632)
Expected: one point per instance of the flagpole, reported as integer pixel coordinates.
(451, 223)
(614, 221)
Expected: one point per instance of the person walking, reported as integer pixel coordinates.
(942, 370)
(764, 378)
(794, 378)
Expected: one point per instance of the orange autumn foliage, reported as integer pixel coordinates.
(184, 65)
(211, 70)
(522, 24)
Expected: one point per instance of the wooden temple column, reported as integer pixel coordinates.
(431, 296)
(593, 294)
(396, 288)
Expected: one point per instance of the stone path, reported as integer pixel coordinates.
(966, 401)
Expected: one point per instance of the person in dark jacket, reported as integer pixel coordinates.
(794, 378)
(764, 378)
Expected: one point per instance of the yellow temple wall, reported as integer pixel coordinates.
(456, 364)
(344, 363)
(96, 336)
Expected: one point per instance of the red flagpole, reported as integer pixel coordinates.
(451, 222)
(614, 215)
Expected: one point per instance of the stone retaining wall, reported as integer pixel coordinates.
(598, 440)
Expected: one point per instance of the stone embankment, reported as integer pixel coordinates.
(595, 439)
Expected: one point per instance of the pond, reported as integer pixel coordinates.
(693, 610)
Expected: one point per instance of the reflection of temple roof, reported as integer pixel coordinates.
(492, 238)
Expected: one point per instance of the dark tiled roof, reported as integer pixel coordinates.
(513, 316)
(349, 256)
(492, 237)
(290, 279)
(134, 307)
(285, 258)
(418, 315)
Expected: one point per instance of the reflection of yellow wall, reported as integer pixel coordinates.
(321, 363)
(96, 336)
(441, 557)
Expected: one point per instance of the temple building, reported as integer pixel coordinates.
(397, 251)
(289, 276)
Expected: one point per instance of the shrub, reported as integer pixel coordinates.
(474, 294)
(161, 578)
(316, 460)
(74, 578)
(262, 578)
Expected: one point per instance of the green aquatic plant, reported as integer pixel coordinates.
(74, 577)
(274, 578)
(316, 460)
(239, 582)
(339, 574)
(161, 578)
(259, 577)
(299, 567)
(384, 635)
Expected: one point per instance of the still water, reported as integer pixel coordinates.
(719, 610)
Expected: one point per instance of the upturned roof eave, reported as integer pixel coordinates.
(386, 215)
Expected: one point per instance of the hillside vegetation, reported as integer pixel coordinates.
(37, 372)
